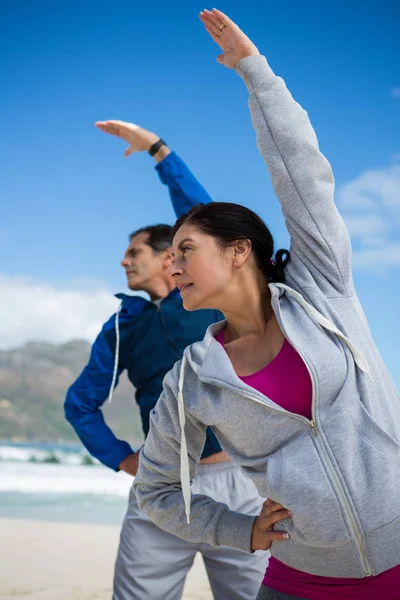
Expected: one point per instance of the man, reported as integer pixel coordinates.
(146, 338)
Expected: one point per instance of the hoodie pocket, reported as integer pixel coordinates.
(372, 470)
(302, 486)
(373, 434)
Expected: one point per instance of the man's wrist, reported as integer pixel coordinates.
(161, 153)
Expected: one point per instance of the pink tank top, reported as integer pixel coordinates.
(294, 394)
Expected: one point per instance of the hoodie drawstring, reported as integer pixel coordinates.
(316, 316)
(185, 470)
(116, 357)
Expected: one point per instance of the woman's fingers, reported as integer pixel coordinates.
(215, 34)
(215, 27)
(217, 20)
(214, 37)
(263, 534)
(271, 506)
(277, 536)
(222, 17)
(267, 521)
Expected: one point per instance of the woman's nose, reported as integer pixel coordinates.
(174, 270)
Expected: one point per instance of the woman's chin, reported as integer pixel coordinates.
(188, 305)
(191, 304)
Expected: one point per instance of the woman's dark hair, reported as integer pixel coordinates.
(227, 223)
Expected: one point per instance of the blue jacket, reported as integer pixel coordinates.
(151, 340)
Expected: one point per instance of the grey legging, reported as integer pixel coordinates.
(265, 593)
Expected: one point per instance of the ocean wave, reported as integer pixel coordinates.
(63, 479)
(52, 453)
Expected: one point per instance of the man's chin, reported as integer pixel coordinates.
(134, 286)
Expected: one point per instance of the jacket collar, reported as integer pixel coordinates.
(131, 300)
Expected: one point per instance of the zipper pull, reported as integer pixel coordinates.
(313, 426)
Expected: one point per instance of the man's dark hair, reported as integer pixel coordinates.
(160, 236)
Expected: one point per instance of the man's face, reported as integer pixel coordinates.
(142, 264)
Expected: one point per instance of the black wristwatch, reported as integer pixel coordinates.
(155, 147)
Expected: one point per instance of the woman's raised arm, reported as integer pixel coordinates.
(301, 175)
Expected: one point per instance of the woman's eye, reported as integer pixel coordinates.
(185, 249)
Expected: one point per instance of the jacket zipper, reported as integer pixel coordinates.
(167, 333)
(330, 467)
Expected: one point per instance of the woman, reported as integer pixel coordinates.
(291, 383)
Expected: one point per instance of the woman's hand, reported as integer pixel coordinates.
(138, 138)
(234, 43)
(263, 534)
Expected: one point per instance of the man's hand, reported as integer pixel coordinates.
(263, 534)
(233, 42)
(130, 464)
(139, 139)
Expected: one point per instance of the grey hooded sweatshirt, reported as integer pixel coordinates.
(339, 474)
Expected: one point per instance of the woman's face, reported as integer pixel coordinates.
(201, 268)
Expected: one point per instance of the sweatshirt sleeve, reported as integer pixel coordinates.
(158, 485)
(184, 189)
(302, 179)
(83, 403)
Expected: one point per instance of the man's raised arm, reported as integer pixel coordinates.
(184, 189)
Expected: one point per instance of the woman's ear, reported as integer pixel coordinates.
(241, 252)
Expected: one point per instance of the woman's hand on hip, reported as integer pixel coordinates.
(263, 534)
(233, 42)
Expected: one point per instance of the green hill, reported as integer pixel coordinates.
(33, 382)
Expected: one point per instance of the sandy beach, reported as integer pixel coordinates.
(42, 560)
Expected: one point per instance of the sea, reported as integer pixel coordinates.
(58, 482)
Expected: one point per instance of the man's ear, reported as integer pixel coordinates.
(167, 257)
(241, 252)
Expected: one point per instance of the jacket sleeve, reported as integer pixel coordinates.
(184, 189)
(84, 399)
(158, 485)
(302, 179)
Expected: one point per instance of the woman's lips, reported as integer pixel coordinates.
(185, 287)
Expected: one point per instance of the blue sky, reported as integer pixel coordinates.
(69, 198)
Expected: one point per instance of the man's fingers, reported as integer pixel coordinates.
(110, 128)
(128, 151)
(101, 125)
(131, 126)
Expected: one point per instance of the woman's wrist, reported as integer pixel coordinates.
(249, 55)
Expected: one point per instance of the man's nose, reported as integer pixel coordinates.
(124, 262)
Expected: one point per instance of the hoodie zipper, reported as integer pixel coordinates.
(312, 424)
(168, 335)
(330, 467)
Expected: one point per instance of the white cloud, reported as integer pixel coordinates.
(370, 205)
(385, 257)
(395, 92)
(38, 310)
